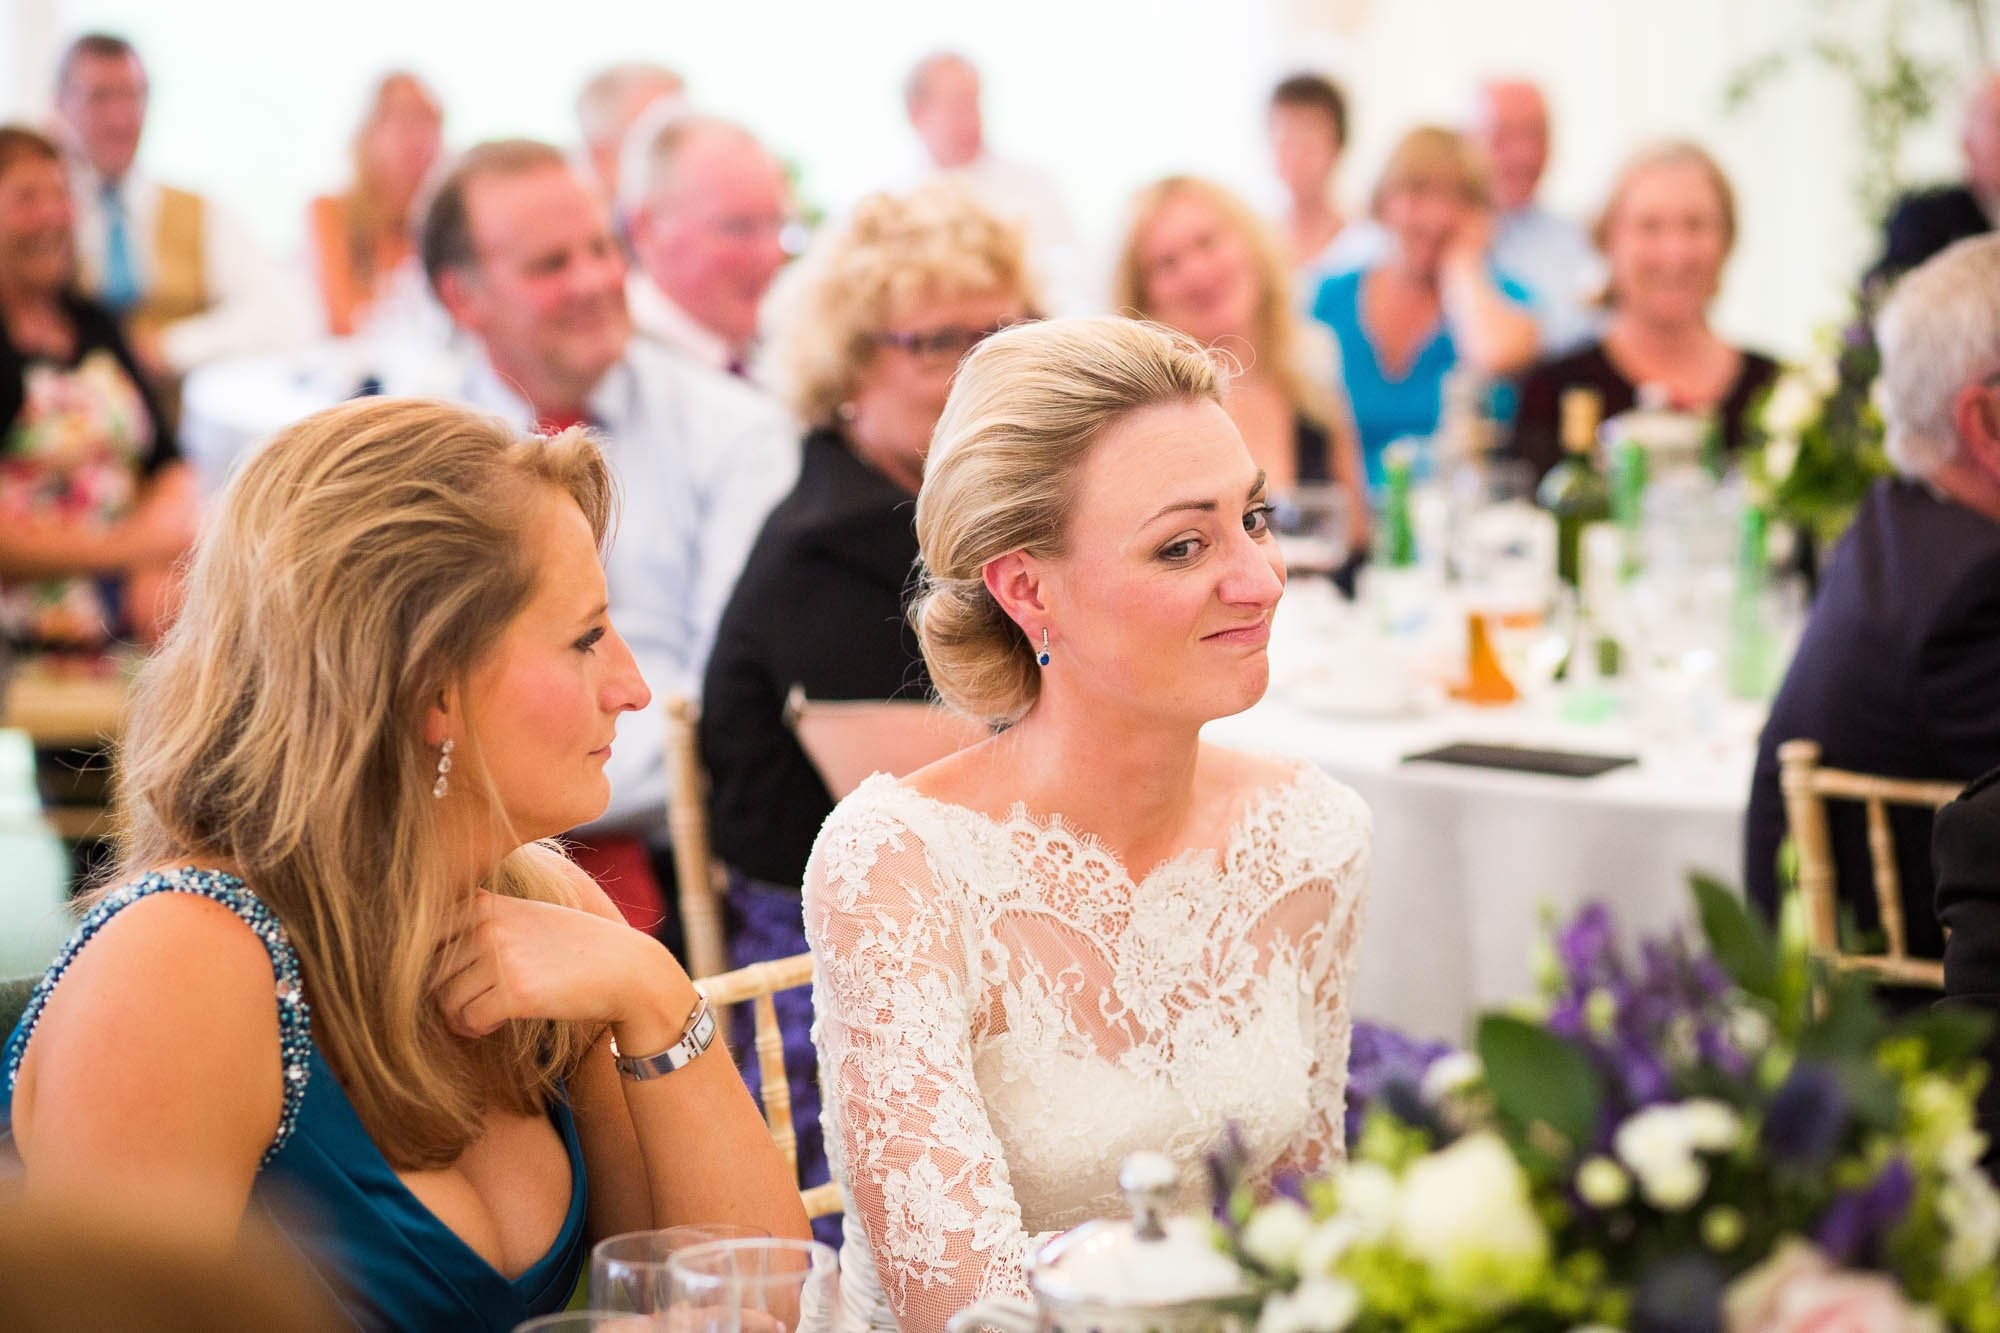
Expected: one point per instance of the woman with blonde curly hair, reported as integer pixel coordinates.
(1197, 259)
(362, 237)
(881, 312)
(394, 680)
(1090, 933)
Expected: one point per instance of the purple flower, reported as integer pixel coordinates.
(1803, 1124)
(1387, 1066)
(1227, 1162)
(1857, 1223)
(1587, 947)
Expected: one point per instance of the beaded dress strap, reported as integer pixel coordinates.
(294, 1014)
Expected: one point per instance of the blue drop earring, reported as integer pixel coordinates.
(1043, 656)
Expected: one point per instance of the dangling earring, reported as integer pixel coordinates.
(1043, 656)
(443, 784)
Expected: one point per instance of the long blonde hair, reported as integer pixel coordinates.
(1275, 332)
(369, 213)
(1025, 409)
(360, 564)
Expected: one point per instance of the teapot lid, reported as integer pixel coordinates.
(1153, 1260)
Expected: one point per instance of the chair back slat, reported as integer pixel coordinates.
(1807, 787)
(758, 985)
(695, 873)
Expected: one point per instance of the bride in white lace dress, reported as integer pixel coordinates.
(1092, 933)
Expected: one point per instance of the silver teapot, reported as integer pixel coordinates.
(1153, 1274)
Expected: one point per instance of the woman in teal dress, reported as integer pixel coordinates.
(341, 979)
(1431, 304)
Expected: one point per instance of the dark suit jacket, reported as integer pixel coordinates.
(1966, 851)
(1898, 673)
(1925, 222)
(819, 604)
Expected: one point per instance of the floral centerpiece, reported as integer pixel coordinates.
(1816, 436)
(1689, 1140)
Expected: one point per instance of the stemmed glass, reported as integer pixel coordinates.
(628, 1273)
(754, 1286)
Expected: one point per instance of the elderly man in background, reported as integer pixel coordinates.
(942, 97)
(706, 213)
(1898, 672)
(1924, 222)
(519, 250)
(180, 270)
(610, 104)
(1548, 254)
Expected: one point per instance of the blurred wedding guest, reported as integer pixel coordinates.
(1307, 123)
(942, 98)
(364, 239)
(1546, 253)
(519, 249)
(64, 1267)
(877, 323)
(1965, 853)
(1197, 259)
(176, 266)
(340, 976)
(706, 218)
(1093, 931)
(1431, 303)
(1923, 222)
(607, 108)
(1666, 232)
(1899, 669)
(95, 502)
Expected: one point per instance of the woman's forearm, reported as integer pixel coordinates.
(1492, 333)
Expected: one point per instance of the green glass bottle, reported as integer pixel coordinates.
(1399, 529)
(1575, 491)
(1752, 648)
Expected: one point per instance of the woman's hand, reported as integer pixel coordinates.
(513, 958)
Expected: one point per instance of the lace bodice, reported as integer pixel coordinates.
(1003, 1014)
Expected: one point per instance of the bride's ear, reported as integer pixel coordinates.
(1020, 584)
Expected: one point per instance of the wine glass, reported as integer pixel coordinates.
(754, 1286)
(629, 1272)
(1312, 525)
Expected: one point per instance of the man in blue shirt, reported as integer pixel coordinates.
(1548, 254)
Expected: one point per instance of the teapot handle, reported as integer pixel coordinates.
(1003, 1316)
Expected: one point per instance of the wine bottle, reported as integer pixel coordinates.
(1575, 491)
(1399, 529)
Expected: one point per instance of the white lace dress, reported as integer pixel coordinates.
(1002, 1015)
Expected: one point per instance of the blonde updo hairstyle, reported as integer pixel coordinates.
(1026, 408)
(361, 563)
(937, 243)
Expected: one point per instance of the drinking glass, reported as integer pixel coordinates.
(629, 1272)
(754, 1286)
(591, 1321)
(1312, 526)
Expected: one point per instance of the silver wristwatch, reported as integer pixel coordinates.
(699, 1035)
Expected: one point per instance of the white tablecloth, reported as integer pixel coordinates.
(1465, 859)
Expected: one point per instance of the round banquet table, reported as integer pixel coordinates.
(1466, 860)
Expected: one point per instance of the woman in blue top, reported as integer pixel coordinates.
(1431, 302)
(393, 679)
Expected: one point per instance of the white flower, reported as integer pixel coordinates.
(1367, 1198)
(1328, 1242)
(1602, 1183)
(1749, 1030)
(1275, 1233)
(1793, 405)
(1970, 1209)
(1451, 1074)
(1942, 1126)
(1660, 1142)
(1466, 1215)
(1320, 1305)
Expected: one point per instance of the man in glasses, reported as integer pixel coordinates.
(708, 207)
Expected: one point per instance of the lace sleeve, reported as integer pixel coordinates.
(1334, 844)
(895, 1000)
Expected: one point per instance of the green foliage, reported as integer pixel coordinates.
(1537, 1077)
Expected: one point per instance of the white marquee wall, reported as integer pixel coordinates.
(253, 101)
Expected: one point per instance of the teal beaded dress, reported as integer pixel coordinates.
(323, 1184)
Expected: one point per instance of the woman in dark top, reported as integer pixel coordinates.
(1197, 259)
(95, 504)
(1665, 232)
(884, 310)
